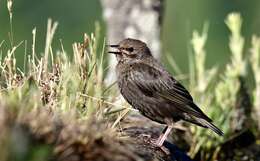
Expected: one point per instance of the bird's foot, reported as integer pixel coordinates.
(163, 136)
(160, 141)
(159, 145)
(156, 143)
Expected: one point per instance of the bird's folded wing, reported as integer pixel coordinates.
(161, 84)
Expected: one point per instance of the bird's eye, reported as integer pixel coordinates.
(131, 49)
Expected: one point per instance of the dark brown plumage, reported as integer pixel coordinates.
(148, 87)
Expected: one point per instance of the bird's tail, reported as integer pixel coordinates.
(206, 124)
(213, 127)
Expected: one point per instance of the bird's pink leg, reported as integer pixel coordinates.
(163, 137)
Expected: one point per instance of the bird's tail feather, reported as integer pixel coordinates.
(213, 128)
(206, 124)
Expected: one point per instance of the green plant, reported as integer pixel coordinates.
(217, 96)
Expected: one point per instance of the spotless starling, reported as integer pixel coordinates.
(152, 90)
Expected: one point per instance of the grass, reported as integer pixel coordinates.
(218, 92)
(60, 107)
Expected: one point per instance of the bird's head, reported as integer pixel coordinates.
(130, 50)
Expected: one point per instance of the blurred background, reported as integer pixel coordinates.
(180, 19)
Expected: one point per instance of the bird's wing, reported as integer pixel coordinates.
(154, 82)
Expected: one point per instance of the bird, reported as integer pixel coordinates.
(148, 87)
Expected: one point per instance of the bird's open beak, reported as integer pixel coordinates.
(114, 52)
